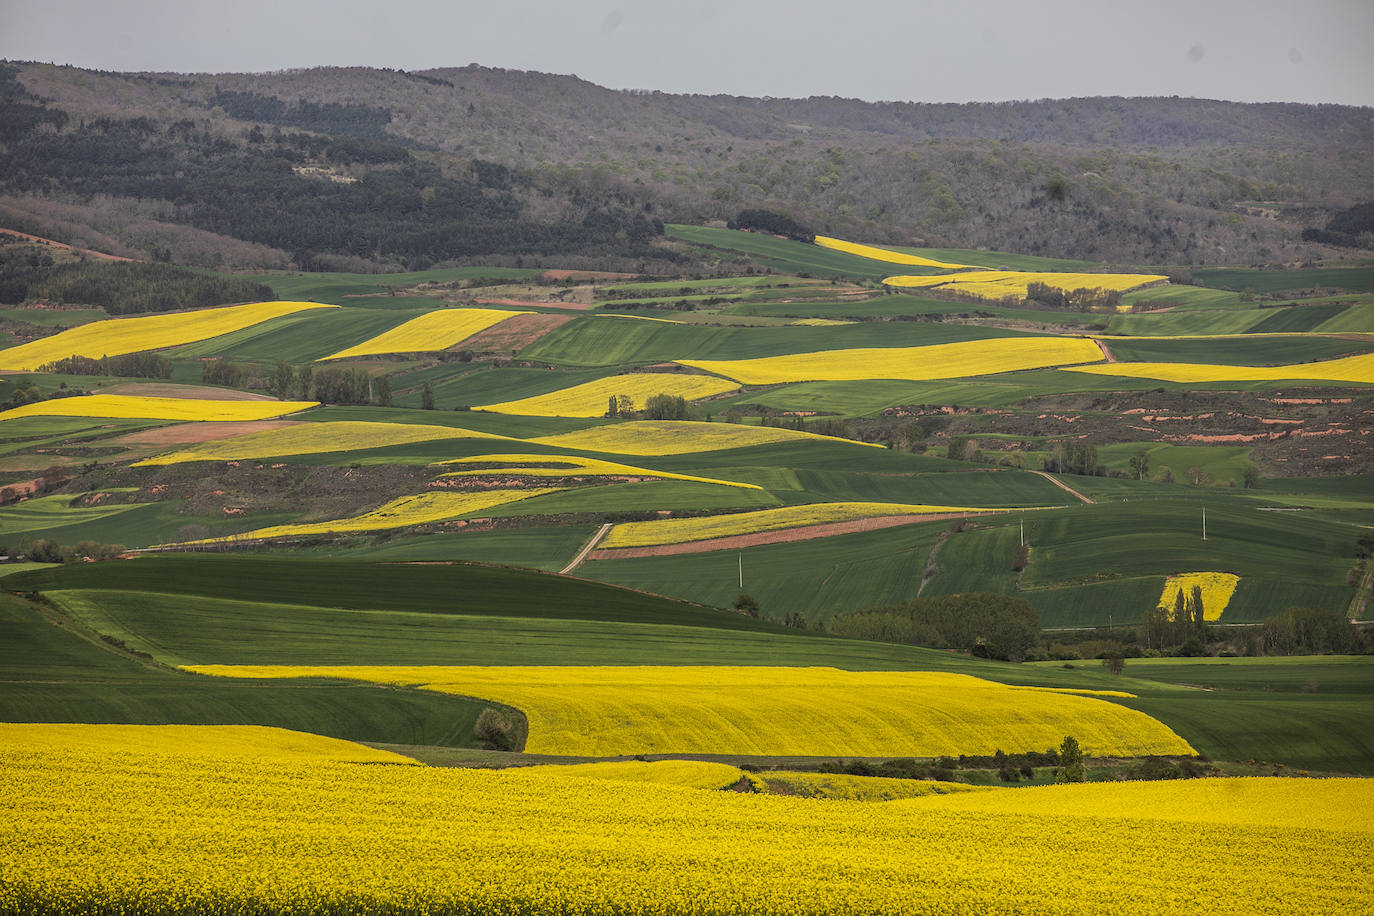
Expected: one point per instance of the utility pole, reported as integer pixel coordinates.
(741, 570)
(1204, 523)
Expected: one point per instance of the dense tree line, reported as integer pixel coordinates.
(326, 118)
(1353, 228)
(28, 274)
(132, 365)
(772, 223)
(987, 624)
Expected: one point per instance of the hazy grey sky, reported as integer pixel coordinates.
(921, 50)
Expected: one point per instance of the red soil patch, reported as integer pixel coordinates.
(35, 238)
(804, 533)
(172, 390)
(190, 433)
(526, 303)
(514, 333)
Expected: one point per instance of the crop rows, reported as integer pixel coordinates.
(569, 466)
(675, 437)
(1358, 368)
(312, 438)
(119, 406)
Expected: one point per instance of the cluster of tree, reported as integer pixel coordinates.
(223, 372)
(985, 623)
(32, 394)
(821, 426)
(1074, 457)
(1308, 631)
(656, 407)
(334, 385)
(323, 118)
(773, 223)
(28, 274)
(45, 550)
(1353, 228)
(1082, 299)
(131, 365)
(1184, 625)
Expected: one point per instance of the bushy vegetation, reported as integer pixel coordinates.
(28, 274)
(987, 624)
(772, 223)
(132, 365)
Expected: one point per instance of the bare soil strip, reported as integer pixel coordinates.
(526, 303)
(191, 433)
(783, 536)
(514, 333)
(587, 548)
(1102, 345)
(173, 390)
(87, 251)
(1061, 485)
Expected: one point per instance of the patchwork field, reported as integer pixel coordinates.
(591, 399)
(434, 331)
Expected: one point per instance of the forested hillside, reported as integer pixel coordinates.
(364, 168)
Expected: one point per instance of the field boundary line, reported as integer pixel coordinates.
(586, 549)
(1062, 485)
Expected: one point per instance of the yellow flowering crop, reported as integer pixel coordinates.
(571, 465)
(591, 398)
(131, 834)
(682, 530)
(1217, 589)
(999, 284)
(245, 742)
(615, 711)
(437, 330)
(677, 437)
(951, 360)
(1358, 368)
(146, 332)
(690, 774)
(313, 438)
(119, 406)
(882, 254)
(420, 509)
(859, 788)
(637, 318)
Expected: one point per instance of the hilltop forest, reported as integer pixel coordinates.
(370, 170)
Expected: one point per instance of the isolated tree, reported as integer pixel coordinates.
(494, 731)
(624, 405)
(427, 397)
(381, 388)
(283, 377)
(1250, 477)
(1070, 767)
(1114, 662)
(612, 406)
(747, 605)
(1140, 464)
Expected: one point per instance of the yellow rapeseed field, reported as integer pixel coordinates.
(119, 406)
(678, 437)
(689, 774)
(437, 330)
(951, 360)
(313, 438)
(570, 465)
(1217, 589)
(682, 530)
(420, 509)
(591, 398)
(884, 254)
(1346, 369)
(1000, 284)
(243, 742)
(617, 711)
(146, 332)
(134, 834)
(859, 788)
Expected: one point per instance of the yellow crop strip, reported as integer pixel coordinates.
(574, 465)
(824, 712)
(953, 360)
(859, 788)
(1346, 369)
(125, 832)
(437, 330)
(591, 399)
(884, 254)
(311, 439)
(119, 336)
(678, 437)
(1217, 589)
(683, 530)
(243, 742)
(688, 774)
(420, 509)
(118, 406)
(1001, 284)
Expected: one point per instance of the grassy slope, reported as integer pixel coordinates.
(1233, 351)
(784, 255)
(1359, 278)
(55, 675)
